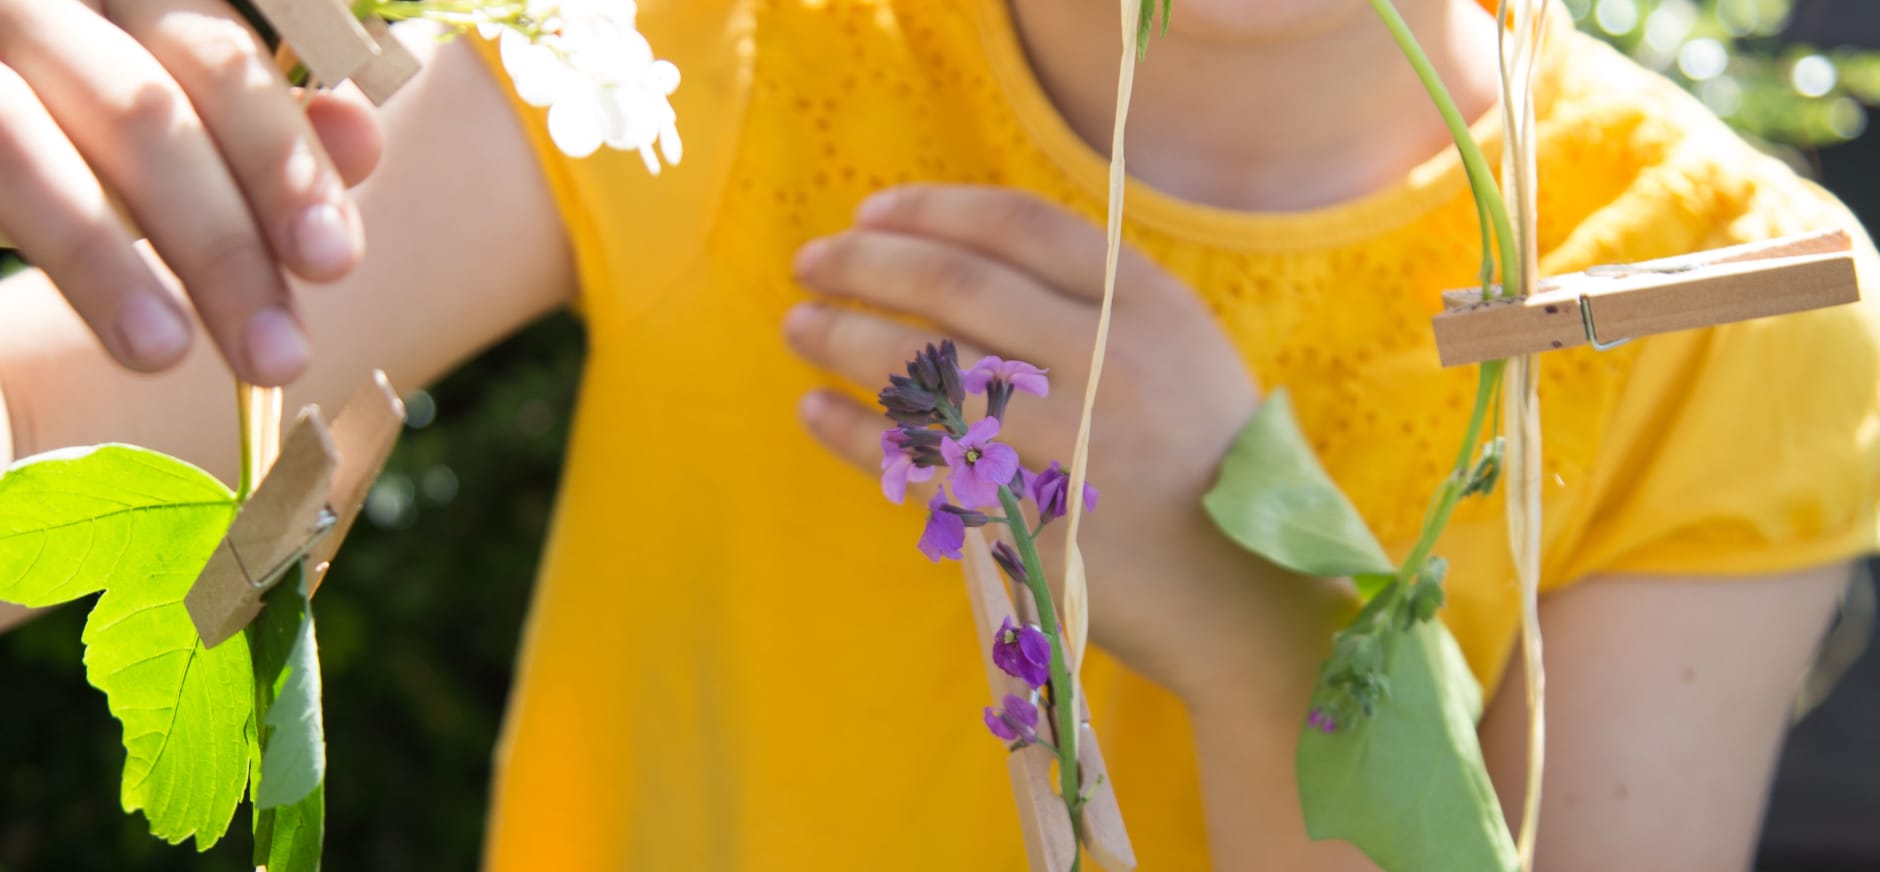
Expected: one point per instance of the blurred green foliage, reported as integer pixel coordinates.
(419, 621)
(1730, 54)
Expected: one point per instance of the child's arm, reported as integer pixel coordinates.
(465, 247)
(1667, 700)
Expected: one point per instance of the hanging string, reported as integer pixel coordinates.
(1521, 31)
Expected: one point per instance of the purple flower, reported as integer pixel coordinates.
(1017, 373)
(1023, 652)
(1017, 721)
(946, 531)
(899, 453)
(979, 464)
(1322, 721)
(1050, 489)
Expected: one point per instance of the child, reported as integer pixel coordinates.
(735, 658)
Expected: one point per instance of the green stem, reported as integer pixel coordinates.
(1451, 491)
(1063, 698)
(1481, 181)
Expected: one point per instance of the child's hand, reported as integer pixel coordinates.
(1003, 273)
(176, 109)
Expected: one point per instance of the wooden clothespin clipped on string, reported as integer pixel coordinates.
(1609, 305)
(1049, 843)
(335, 46)
(300, 511)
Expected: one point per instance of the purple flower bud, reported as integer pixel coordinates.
(1322, 720)
(1007, 558)
(1049, 489)
(945, 534)
(1023, 652)
(979, 464)
(967, 516)
(931, 390)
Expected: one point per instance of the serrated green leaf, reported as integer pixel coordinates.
(185, 709)
(73, 522)
(288, 833)
(1275, 499)
(1408, 785)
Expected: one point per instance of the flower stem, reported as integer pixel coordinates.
(1451, 492)
(1481, 180)
(1063, 699)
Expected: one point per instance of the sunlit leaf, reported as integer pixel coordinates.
(185, 709)
(1274, 498)
(72, 522)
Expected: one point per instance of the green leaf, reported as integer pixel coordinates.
(1275, 499)
(1407, 785)
(74, 522)
(185, 709)
(290, 758)
(293, 745)
(288, 839)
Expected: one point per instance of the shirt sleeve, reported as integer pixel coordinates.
(635, 233)
(1749, 448)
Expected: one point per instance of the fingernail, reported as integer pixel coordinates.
(807, 256)
(153, 332)
(277, 349)
(325, 240)
(875, 208)
(798, 319)
(812, 406)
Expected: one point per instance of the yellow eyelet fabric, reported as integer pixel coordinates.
(735, 658)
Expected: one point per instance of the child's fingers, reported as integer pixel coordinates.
(863, 348)
(1063, 250)
(349, 130)
(54, 208)
(137, 130)
(843, 426)
(262, 132)
(967, 296)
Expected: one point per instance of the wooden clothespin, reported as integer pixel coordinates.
(1609, 305)
(299, 512)
(335, 46)
(1048, 840)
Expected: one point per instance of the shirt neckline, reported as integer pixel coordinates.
(1431, 183)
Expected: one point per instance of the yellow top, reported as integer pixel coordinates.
(717, 667)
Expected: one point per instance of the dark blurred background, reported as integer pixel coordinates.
(419, 627)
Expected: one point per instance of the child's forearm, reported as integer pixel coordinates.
(1250, 792)
(62, 389)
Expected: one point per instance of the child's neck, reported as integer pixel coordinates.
(1265, 124)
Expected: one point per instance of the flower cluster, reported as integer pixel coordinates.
(932, 431)
(1352, 682)
(586, 61)
(583, 60)
(928, 406)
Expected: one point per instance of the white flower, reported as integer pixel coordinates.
(590, 66)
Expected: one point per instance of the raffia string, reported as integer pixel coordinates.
(1520, 49)
(1076, 588)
